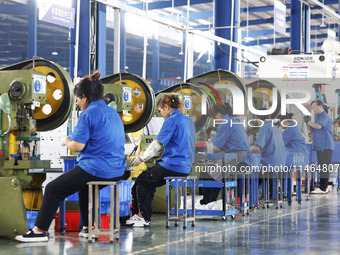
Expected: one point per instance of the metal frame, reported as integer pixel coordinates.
(113, 231)
(175, 181)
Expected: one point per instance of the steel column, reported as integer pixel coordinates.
(155, 63)
(32, 29)
(295, 28)
(223, 18)
(101, 39)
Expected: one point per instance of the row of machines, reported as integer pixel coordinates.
(37, 95)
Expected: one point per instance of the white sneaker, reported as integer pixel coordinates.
(31, 237)
(84, 233)
(136, 221)
(318, 191)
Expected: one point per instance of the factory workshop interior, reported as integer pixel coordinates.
(213, 128)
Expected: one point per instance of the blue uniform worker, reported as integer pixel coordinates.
(273, 152)
(103, 155)
(323, 138)
(295, 144)
(99, 138)
(231, 136)
(178, 137)
(323, 144)
(269, 139)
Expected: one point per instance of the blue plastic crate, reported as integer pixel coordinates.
(296, 159)
(125, 197)
(124, 192)
(74, 197)
(124, 208)
(68, 165)
(31, 217)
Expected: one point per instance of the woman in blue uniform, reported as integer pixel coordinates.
(269, 143)
(292, 136)
(323, 143)
(231, 137)
(296, 150)
(99, 138)
(178, 137)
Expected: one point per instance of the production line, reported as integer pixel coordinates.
(38, 97)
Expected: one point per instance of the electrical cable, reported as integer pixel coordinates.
(247, 62)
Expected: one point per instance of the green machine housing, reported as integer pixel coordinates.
(35, 96)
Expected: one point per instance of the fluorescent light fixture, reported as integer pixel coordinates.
(54, 53)
(248, 39)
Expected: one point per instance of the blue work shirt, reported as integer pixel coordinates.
(178, 137)
(323, 138)
(231, 136)
(294, 140)
(273, 151)
(102, 130)
(295, 145)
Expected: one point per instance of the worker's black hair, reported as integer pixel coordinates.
(171, 100)
(289, 115)
(91, 87)
(218, 108)
(263, 117)
(319, 102)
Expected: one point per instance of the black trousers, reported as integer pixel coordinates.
(324, 160)
(144, 189)
(211, 194)
(65, 185)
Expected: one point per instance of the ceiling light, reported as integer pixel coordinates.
(248, 39)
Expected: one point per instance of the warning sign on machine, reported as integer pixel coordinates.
(297, 71)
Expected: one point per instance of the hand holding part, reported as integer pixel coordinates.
(306, 118)
(255, 149)
(135, 161)
(63, 140)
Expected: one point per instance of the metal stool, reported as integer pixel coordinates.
(180, 182)
(114, 211)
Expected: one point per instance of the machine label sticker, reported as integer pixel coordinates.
(187, 102)
(299, 71)
(127, 95)
(39, 84)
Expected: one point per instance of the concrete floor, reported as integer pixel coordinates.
(310, 228)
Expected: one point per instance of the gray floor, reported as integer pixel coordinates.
(310, 228)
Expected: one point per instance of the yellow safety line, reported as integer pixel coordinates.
(226, 230)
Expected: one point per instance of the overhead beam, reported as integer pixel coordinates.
(266, 8)
(254, 9)
(277, 40)
(156, 18)
(13, 9)
(328, 11)
(199, 15)
(255, 33)
(167, 4)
